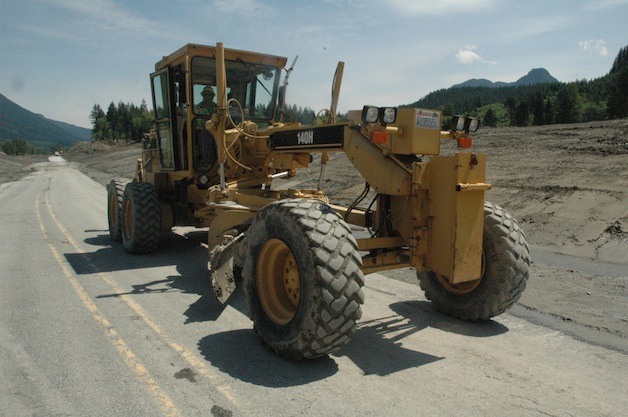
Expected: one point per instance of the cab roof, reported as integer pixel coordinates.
(191, 50)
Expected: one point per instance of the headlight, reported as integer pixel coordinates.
(457, 123)
(389, 114)
(474, 123)
(466, 124)
(370, 114)
(385, 115)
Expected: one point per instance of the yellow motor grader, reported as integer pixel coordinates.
(214, 158)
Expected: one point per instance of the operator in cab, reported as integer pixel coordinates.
(207, 105)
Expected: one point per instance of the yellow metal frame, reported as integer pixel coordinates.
(429, 212)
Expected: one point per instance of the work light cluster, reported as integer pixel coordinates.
(384, 115)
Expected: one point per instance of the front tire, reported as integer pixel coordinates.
(505, 273)
(140, 218)
(302, 278)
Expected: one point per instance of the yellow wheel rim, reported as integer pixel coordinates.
(463, 287)
(278, 281)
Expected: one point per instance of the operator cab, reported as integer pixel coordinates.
(182, 87)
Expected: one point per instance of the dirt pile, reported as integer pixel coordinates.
(13, 167)
(566, 184)
(103, 161)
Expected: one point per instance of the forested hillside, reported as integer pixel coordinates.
(23, 131)
(539, 104)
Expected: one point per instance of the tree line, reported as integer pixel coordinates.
(541, 104)
(128, 122)
(294, 113)
(19, 147)
(122, 122)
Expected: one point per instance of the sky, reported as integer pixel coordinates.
(60, 57)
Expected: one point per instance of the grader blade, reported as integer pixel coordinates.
(221, 268)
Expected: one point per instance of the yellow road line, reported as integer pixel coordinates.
(193, 360)
(131, 360)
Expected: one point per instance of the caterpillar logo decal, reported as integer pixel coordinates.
(313, 137)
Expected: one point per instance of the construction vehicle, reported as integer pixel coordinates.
(217, 150)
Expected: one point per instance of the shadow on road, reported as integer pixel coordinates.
(250, 361)
(377, 346)
(174, 249)
(421, 313)
(184, 252)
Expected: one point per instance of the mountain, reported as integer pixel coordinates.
(480, 82)
(81, 133)
(18, 123)
(535, 76)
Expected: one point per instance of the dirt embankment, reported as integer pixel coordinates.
(13, 167)
(566, 183)
(102, 162)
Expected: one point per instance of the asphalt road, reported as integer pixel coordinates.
(87, 329)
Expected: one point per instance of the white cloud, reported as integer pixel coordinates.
(469, 55)
(594, 46)
(439, 8)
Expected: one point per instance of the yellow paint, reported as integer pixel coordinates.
(456, 218)
(130, 359)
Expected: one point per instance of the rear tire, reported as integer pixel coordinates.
(302, 278)
(115, 194)
(506, 263)
(140, 218)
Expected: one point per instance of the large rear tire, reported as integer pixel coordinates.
(505, 273)
(302, 278)
(115, 194)
(140, 218)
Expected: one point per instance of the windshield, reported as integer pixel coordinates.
(253, 85)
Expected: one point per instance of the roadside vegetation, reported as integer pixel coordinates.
(124, 122)
(23, 147)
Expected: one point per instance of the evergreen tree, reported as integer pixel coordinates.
(538, 109)
(549, 112)
(511, 105)
(126, 122)
(112, 118)
(522, 114)
(490, 118)
(96, 113)
(618, 98)
(621, 61)
(568, 104)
